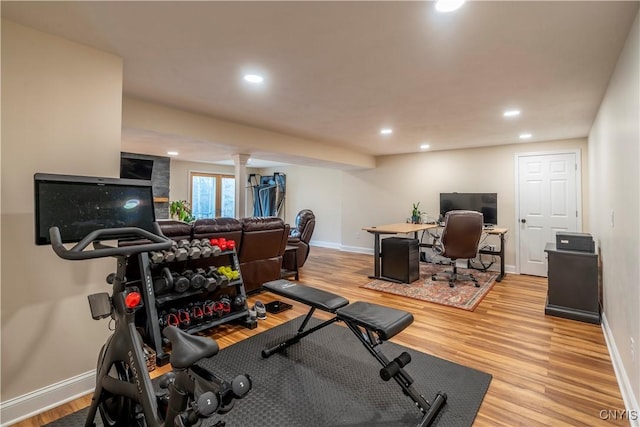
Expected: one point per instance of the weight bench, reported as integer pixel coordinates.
(371, 323)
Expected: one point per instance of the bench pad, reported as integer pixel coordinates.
(385, 321)
(316, 298)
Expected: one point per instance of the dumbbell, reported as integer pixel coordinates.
(226, 304)
(196, 312)
(239, 302)
(205, 247)
(215, 249)
(196, 279)
(185, 318)
(164, 283)
(156, 257)
(180, 252)
(193, 249)
(180, 283)
(193, 252)
(169, 255)
(221, 279)
(207, 309)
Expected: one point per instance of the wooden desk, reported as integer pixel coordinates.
(399, 228)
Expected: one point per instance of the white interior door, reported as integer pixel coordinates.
(548, 193)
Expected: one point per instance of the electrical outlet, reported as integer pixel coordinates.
(492, 247)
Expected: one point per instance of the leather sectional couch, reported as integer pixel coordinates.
(260, 243)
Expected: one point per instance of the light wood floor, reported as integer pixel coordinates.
(546, 371)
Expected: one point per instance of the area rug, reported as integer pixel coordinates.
(329, 379)
(463, 295)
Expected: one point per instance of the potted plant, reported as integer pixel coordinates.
(416, 214)
(180, 210)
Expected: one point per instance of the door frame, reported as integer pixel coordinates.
(577, 152)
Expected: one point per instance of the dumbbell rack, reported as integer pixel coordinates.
(148, 319)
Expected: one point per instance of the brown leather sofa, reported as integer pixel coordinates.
(260, 243)
(299, 238)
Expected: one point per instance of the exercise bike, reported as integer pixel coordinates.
(125, 394)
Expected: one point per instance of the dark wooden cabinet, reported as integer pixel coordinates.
(573, 285)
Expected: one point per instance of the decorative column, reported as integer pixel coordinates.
(240, 162)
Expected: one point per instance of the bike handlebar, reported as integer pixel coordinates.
(158, 243)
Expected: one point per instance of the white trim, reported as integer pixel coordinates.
(629, 399)
(357, 249)
(517, 157)
(41, 400)
(330, 245)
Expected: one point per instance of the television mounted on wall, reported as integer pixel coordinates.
(78, 205)
(485, 203)
(131, 168)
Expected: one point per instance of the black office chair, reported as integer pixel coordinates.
(460, 240)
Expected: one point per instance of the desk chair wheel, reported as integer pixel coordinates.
(433, 277)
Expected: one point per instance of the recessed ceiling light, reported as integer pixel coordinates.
(172, 153)
(511, 113)
(253, 78)
(386, 131)
(525, 135)
(424, 146)
(448, 5)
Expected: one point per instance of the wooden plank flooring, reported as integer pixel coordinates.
(546, 370)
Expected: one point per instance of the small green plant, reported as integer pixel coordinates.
(180, 210)
(415, 213)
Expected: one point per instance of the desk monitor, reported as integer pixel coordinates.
(485, 203)
(78, 205)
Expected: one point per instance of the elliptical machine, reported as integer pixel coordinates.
(125, 394)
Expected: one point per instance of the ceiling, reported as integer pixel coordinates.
(337, 72)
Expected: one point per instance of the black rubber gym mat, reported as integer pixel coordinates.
(330, 379)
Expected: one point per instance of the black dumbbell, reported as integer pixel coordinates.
(239, 302)
(180, 283)
(196, 279)
(164, 283)
(221, 279)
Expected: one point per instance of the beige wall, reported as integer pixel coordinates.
(320, 190)
(614, 156)
(61, 113)
(385, 194)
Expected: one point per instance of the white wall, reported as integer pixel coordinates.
(61, 113)
(614, 157)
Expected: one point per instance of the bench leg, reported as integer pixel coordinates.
(404, 380)
(299, 335)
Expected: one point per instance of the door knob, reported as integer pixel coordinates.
(523, 220)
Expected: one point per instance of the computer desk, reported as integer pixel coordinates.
(399, 228)
(406, 228)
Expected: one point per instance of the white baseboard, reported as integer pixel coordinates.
(38, 401)
(630, 402)
(321, 244)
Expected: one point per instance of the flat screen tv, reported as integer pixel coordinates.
(136, 168)
(78, 205)
(485, 203)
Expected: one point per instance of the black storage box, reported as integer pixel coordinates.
(581, 242)
(401, 259)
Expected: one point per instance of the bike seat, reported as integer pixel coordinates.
(188, 349)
